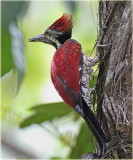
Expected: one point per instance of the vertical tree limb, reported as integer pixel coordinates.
(114, 86)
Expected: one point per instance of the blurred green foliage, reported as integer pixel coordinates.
(9, 13)
(32, 18)
(46, 112)
(84, 144)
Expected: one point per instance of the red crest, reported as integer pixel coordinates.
(64, 23)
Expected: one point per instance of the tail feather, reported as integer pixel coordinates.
(94, 125)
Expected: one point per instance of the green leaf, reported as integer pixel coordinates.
(46, 112)
(93, 81)
(85, 143)
(17, 52)
(9, 12)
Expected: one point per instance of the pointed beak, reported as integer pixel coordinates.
(38, 38)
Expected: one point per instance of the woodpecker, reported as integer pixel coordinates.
(71, 72)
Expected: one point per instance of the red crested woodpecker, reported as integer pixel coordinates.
(71, 71)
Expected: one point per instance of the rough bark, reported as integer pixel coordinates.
(114, 85)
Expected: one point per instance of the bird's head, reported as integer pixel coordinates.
(57, 33)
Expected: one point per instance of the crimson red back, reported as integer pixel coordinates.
(65, 71)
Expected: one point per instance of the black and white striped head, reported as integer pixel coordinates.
(57, 33)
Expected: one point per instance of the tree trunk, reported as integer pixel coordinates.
(114, 85)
